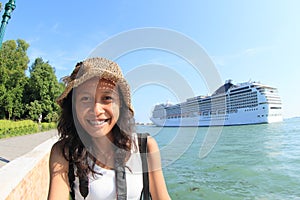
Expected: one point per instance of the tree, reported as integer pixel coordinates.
(34, 109)
(41, 91)
(13, 64)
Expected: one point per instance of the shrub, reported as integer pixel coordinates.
(14, 128)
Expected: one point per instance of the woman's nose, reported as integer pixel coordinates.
(98, 108)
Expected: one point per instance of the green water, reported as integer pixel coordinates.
(247, 162)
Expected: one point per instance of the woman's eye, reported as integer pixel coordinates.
(108, 98)
(85, 99)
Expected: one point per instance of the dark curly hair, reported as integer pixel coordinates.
(75, 148)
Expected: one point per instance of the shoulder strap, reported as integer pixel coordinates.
(121, 186)
(142, 141)
(71, 176)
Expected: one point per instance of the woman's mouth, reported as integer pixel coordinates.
(98, 122)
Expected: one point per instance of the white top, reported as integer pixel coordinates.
(104, 186)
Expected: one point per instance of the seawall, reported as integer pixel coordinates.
(27, 177)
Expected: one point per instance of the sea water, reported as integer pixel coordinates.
(241, 162)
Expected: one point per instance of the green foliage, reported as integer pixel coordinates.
(48, 126)
(41, 91)
(23, 97)
(10, 128)
(34, 109)
(14, 128)
(13, 63)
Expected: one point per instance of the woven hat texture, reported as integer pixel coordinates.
(96, 67)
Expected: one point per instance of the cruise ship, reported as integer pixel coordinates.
(231, 104)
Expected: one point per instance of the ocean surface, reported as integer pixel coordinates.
(245, 162)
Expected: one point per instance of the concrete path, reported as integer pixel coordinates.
(11, 148)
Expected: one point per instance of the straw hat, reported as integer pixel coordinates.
(96, 67)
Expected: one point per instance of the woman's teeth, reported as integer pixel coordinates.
(97, 122)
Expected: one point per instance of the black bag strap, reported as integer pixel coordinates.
(142, 142)
(121, 186)
(71, 176)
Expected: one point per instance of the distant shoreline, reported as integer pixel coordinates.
(144, 124)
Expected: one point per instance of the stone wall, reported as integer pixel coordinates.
(27, 177)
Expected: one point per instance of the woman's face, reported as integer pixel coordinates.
(97, 106)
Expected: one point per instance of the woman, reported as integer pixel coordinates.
(96, 130)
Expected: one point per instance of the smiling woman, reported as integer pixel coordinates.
(97, 155)
(97, 106)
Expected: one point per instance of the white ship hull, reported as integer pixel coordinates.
(219, 120)
(265, 111)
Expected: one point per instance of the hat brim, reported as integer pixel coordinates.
(101, 74)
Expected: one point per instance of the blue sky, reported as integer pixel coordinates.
(246, 40)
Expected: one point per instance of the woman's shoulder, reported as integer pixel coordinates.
(57, 148)
(57, 154)
(152, 144)
(58, 167)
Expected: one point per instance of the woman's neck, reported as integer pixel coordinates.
(103, 151)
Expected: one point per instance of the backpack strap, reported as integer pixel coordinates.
(71, 176)
(142, 142)
(120, 173)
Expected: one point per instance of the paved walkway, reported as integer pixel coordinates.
(11, 148)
